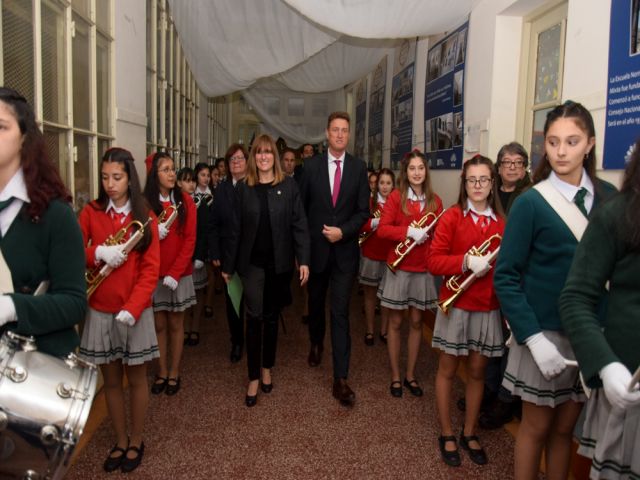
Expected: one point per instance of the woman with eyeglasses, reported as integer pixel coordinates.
(513, 177)
(411, 287)
(545, 224)
(270, 231)
(472, 326)
(220, 223)
(41, 242)
(174, 293)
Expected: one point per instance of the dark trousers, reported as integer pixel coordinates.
(340, 284)
(236, 323)
(263, 293)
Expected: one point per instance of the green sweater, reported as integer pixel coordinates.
(50, 249)
(602, 256)
(535, 256)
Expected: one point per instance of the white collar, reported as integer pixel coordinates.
(569, 191)
(168, 198)
(488, 212)
(125, 209)
(333, 159)
(202, 192)
(411, 195)
(380, 198)
(16, 188)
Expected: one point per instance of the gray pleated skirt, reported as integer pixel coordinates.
(105, 340)
(462, 330)
(524, 379)
(611, 438)
(371, 271)
(177, 300)
(200, 278)
(402, 290)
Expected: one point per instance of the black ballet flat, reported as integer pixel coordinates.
(159, 384)
(172, 388)
(113, 463)
(368, 339)
(194, 339)
(383, 338)
(396, 391)
(477, 455)
(413, 387)
(266, 387)
(130, 464)
(251, 400)
(451, 458)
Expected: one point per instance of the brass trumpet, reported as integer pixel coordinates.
(365, 235)
(96, 275)
(461, 282)
(166, 218)
(404, 247)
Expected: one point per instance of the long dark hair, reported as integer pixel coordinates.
(584, 121)
(631, 187)
(492, 199)
(139, 206)
(379, 173)
(403, 183)
(152, 189)
(41, 175)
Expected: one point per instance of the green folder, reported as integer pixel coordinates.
(234, 288)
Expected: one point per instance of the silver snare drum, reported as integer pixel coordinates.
(44, 405)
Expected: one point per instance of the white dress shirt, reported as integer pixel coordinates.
(569, 191)
(333, 167)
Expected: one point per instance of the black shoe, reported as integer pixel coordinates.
(266, 387)
(236, 353)
(477, 455)
(497, 416)
(173, 385)
(451, 458)
(368, 339)
(208, 311)
(113, 463)
(413, 387)
(159, 384)
(396, 389)
(383, 338)
(343, 393)
(194, 339)
(251, 400)
(130, 464)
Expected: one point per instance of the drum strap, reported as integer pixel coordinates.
(566, 210)
(6, 281)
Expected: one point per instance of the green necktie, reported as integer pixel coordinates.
(579, 201)
(5, 203)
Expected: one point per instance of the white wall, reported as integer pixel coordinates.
(130, 80)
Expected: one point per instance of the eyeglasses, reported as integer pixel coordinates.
(483, 181)
(237, 158)
(167, 170)
(512, 163)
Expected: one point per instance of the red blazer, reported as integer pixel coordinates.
(176, 250)
(130, 286)
(375, 248)
(393, 227)
(454, 236)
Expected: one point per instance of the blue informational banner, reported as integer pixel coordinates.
(402, 101)
(623, 87)
(361, 114)
(443, 105)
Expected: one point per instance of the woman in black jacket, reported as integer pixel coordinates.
(270, 227)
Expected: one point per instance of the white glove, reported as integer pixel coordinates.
(162, 231)
(198, 264)
(125, 318)
(420, 235)
(478, 265)
(374, 223)
(111, 255)
(7, 310)
(615, 380)
(170, 282)
(549, 360)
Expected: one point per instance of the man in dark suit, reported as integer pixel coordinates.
(335, 193)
